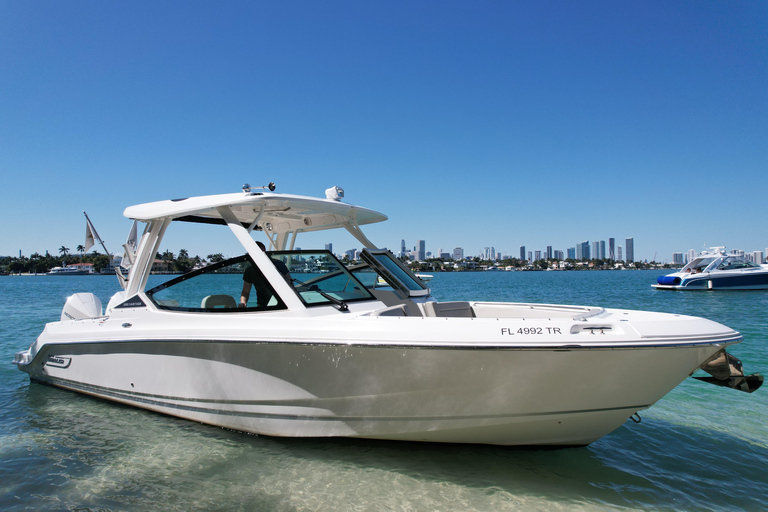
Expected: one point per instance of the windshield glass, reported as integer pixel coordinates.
(734, 263)
(320, 279)
(395, 273)
(698, 265)
(218, 288)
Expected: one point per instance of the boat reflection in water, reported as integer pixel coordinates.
(293, 343)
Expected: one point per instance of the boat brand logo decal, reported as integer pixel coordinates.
(58, 361)
(134, 302)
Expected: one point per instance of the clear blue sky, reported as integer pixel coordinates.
(472, 123)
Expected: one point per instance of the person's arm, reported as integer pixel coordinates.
(245, 294)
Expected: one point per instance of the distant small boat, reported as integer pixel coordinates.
(716, 270)
(69, 270)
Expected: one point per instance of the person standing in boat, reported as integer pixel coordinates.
(253, 277)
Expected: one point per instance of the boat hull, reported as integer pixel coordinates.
(467, 394)
(757, 280)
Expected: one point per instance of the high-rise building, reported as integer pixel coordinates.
(602, 250)
(571, 253)
(558, 255)
(421, 253)
(329, 248)
(595, 249)
(582, 251)
(549, 252)
(537, 256)
(630, 249)
(618, 255)
(757, 257)
(611, 248)
(530, 256)
(677, 258)
(458, 254)
(403, 251)
(522, 253)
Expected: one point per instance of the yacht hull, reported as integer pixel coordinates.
(755, 280)
(464, 394)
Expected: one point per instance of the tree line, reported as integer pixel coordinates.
(443, 265)
(37, 263)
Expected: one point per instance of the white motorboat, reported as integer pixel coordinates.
(321, 350)
(716, 270)
(69, 270)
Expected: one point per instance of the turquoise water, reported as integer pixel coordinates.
(699, 448)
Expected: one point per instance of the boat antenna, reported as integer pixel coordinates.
(91, 236)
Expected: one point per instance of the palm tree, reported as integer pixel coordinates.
(80, 249)
(63, 250)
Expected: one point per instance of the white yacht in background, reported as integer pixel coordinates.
(320, 350)
(716, 270)
(69, 270)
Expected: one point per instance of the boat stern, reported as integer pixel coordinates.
(669, 282)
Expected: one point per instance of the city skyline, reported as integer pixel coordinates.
(624, 252)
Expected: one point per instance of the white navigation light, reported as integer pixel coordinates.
(334, 193)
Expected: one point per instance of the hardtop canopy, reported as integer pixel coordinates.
(278, 213)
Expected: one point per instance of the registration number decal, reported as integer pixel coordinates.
(529, 331)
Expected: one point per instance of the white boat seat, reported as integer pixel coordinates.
(449, 309)
(220, 301)
(390, 298)
(396, 310)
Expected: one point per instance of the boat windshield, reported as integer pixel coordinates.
(321, 279)
(217, 288)
(699, 264)
(394, 273)
(317, 277)
(735, 263)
